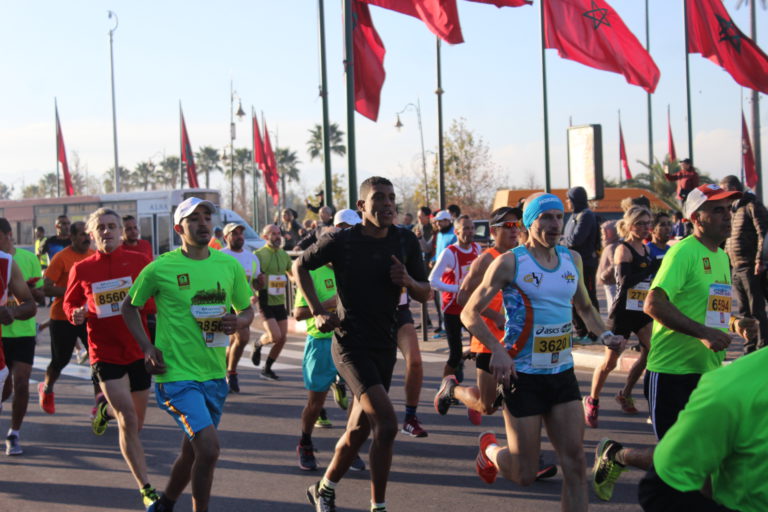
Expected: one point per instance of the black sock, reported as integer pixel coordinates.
(410, 411)
(306, 439)
(269, 363)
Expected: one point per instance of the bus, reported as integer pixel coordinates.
(153, 210)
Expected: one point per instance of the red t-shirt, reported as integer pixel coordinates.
(102, 282)
(142, 246)
(455, 275)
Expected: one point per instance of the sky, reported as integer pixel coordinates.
(172, 51)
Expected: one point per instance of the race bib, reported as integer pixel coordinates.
(636, 296)
(276, 284)
(208, 318)
(109, 295)
(718, 306)
(551, 345)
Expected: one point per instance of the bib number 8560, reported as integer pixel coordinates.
(111, 297)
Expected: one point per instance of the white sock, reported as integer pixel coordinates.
(488, 448)
(12, 432)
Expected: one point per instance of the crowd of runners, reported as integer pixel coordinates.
(184, 319)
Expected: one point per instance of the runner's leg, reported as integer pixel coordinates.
(565, 429)
(20, 373)
(237, 344)
(644, 336)
(519, 460)
(601, 372)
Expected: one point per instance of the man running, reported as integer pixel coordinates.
(194, 288)
(234, 235)
(276, 264)
(96, 288)
(539, 383)
(132, 240)
(63, 334)
(54, 244)
(19, 339)
(372, 261)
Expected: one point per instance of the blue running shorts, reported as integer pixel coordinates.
(318, 368)
(194, 405)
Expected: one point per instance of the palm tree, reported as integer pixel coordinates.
(143, 175)
(109, 180)
(208, 160)
(655, 181)
(242, 167)
(168, 175)
(287, 168)
(315, 142)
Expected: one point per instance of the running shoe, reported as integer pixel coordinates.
(627, 403)
(46, 400)
(591, 408)
(268, 374)
(256, 355)
(605, 471)
(475, 417)
(323, 500)
(445, 394)
(99, 423)
(307, 461)
(323, 422)
(149, 497)
(340, 393)
(413, 428)
(234, 385)
(485, 468)
(12, 446)
(545, 470)
(358, 464)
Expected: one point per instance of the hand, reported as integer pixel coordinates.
(153, 361)
(326, 322)
(399, 274)
(716, 340)
(6, 315)
(78, 316)
(260, 281)
(502, 367)
(229, 323)
(759, 267)
(746, 327)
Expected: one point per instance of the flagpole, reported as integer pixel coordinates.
(620, 136)
(266, 165)
(741, 160)
(58, 185)
(349, 68)
(254, 200)
(688, 85)
(756, 151)
(324, 96)
(114, 114)
(440, 145)
(181, 147)
(648, 94)
(547, 184)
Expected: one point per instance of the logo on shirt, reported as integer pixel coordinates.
(707, 266)
(329, 284)
(534, 278)
(569, 277)
(183, 280)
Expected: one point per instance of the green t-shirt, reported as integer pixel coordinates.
(274, 263)
(30, 267)
(689, 275)
(324, 281)
(722, 432)
(190, 296)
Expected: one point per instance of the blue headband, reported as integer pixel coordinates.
(538, 205)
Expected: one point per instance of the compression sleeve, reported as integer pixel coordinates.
(625, 278)
(445, 261)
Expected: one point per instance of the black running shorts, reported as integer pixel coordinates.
(535, 394)
(627, 322)
(362, 368)
(136, 371)
(667, 395)
(404, 316)
(21, 349)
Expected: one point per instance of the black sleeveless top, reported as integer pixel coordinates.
(642, 269)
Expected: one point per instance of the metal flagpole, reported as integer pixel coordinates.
(181, 147)
(620, 140)
(114, 114)
(756, 151)
(547, 183)
(349, 68)
(440, 145)
(58, 185)
(648, 94)
(324, 96)
(255, 199)
(688, 86)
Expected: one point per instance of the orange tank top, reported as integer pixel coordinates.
(496, 304)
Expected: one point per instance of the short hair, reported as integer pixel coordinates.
(371, 182)
(609, 224)
(460, 219)
(657, 218)
(127, 218)
(62, 216)
(731, 182)
(76, 227)
(266, 229)
(425, 210)
(93, 219)
(40, 228)
(677, 214)
(5, 226)
(454, 210)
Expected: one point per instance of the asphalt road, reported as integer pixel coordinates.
(66, 468)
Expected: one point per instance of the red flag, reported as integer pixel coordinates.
(187, 156)
(714, 35)
(747, 156)
(258, 147)
(623, 155)
(270, 174)
(505, 3)
(440, 16)
(369, 62)
(61, 156)
(670, 142)
(592, 33)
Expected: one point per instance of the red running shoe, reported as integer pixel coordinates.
(591, 408)
(413, 428)
(475, 417)
(485, 468)
(45, 399)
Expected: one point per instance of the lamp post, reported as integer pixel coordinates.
(111, 14)
(240, 114)
(399, 125)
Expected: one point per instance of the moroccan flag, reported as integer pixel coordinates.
(258, 147)
(61, 156)
(187, 156)
(270, 173)
(592, 33)
(670, 142)
(713, 34)
(505, 3)
(440, 16)
(369, 62)
(623, 155)
(747, 156)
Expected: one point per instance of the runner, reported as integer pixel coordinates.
(63, 333)
(539, 383)
(276, 264)
(39, 241)
(634, 271)
(446, 276)
(235, 238)
(193, 287)
(97, 285)
(62, 238)
(372, 262)
(19, 339)
(132, 240)
(660, 233)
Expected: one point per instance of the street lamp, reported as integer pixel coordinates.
(111, 14)
(398, 125)
(240, 114)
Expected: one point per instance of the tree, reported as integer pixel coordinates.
(315, 142)
(143, 176)
(287, 168)
(5, 191)
(243, 165)
(208, 160)
(655, 181)
(168, 173)
(109, 180)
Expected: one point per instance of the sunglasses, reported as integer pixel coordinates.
(508, 224)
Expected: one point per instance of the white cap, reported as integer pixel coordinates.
(232, 226)
(346, 216)
(700, 195)
(187, 206)
(443, 215)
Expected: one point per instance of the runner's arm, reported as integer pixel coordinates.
(445, 261)
(19, 289)
(74, 299)
(153, 357)
(303, 312)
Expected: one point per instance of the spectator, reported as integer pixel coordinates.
(316, 209)
(39, 241)
(454, 210)
(745, 249)
(661, 229)
(581, 235)
(54, 244)
(407, 221)
(687, 178)
(423, 217)
(290, 230)
(678, 227)
(606, 274)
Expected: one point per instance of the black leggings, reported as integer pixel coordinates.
(63, 337)
(453, 328)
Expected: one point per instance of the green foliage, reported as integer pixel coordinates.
(208, 160)
(315, 142)
(168, 173)
(655, 181)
